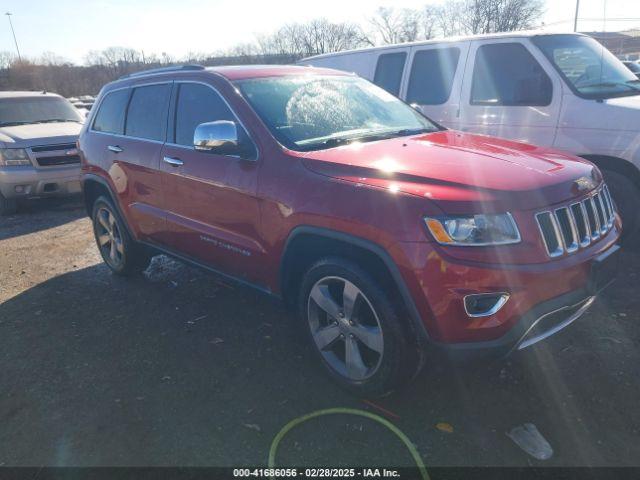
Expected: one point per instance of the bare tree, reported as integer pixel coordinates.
(489, 16)
(392, 25)
(51, 59)
(429, 22)
(312, 38)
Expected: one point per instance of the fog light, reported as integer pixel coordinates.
(484, 304)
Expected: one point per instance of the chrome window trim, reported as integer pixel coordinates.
(119, 135)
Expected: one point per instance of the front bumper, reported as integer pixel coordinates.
(542, 298)
(28, 181)
(539, 323)
(546, 318)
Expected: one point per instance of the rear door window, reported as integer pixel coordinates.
(147, 113)
(432, 74)
(506, 74)
(389, 71)
(110, 116)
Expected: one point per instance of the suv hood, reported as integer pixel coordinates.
(22, 136)
(456, 170)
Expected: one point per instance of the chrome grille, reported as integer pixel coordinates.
(55, 155)
(570, 227)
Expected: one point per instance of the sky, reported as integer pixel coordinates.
(70, 28)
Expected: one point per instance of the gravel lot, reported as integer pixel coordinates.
(179, 368)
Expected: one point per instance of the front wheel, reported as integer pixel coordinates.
(354, 328)
(119, 251)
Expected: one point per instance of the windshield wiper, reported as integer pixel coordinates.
(334, 142)
(368, 137)
(13, 124)
(57, 120)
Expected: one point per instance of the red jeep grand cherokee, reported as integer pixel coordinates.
(388, 233)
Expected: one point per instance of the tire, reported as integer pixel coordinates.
(118, 250)
(375, 368)
(626, 195)
(8, 206)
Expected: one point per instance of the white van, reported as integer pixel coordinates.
(559, 90)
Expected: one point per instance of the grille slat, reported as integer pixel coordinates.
(58, 160)
(53, 148)
(568, 228)
(607, 196)
(582, 226)
(597, 199)
(594, 226)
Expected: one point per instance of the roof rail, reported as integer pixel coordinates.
(151, 71)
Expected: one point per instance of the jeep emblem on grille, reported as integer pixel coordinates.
(584, 183)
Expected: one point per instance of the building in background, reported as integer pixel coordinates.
(625, 45)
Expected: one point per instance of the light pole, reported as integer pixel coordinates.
(575, 20)
(8, 14)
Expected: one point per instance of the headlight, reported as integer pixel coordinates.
(13, 157)
(474, 230)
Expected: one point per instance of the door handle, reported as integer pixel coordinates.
(114, 148)
(174, 162)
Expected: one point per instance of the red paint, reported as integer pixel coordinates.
(236, 216)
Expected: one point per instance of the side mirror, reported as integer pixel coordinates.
(218, 137)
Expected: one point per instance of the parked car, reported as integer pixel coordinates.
(634, 67)
(387, 233)
(38, 155)
(564, 91)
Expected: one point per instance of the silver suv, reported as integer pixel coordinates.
(38, 155)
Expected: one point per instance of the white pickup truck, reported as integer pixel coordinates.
(564, 91)
(38, 155)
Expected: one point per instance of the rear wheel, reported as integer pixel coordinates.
(354, 328)
(8, 206)
(627, 198)
(119, 251)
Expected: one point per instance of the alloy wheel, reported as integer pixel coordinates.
(345, 328)
(109, 237)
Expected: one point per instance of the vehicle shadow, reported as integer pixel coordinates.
(41, 214)
(179, 368)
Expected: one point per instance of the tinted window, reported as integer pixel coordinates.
(147, 114)
(389, 71)
(110, 117)
(432, 75)
(507, 74)
(197, 104)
